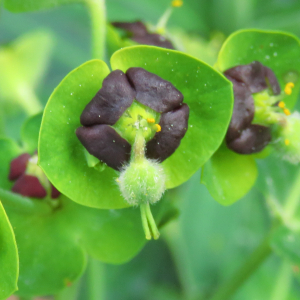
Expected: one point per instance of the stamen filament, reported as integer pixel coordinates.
(162, 22)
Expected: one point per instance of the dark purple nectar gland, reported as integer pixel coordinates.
(30, 180)
(134, 122)
(138, 32)
(257, 106)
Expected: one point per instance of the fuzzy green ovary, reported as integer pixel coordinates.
(135, 118)
(142, 182)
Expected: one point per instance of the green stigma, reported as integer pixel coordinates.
(137, 117)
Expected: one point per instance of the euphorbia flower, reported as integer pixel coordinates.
(258, 97)
(138, 138)
(119, 123)
(243, 136)
(264, 69)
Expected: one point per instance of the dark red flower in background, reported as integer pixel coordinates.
(138, 32)
(26, 184)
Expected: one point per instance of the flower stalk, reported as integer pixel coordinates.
(97, 13)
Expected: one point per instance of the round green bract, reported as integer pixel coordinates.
(277, 50)
(54, 243)
(207, 93)
(229, 176)
(61, 155)
(8, 257)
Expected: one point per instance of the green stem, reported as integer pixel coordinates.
(293, 199)
(173, 235)
(145, 221)
(151, 221)
(148, 222)
(95, 280)
(244, 272)
(69, 293)
(162, 22)
(98, 19)
(283, 283)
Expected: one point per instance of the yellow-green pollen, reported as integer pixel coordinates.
(266, 110)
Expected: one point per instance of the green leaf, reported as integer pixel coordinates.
(33, 5)
(202, 88)
(8, 151)
(8, 257)
(23, 64)
(277, 50)
(53, 243)
(229, 176)
(62, 155)
(30, 133)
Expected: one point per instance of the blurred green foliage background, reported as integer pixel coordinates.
(208, 242)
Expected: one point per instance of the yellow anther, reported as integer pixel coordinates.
(117, 180)
(158, 127)
(151, 120)
(287, 142)
(281, 104)
(288, 88)
(286, 111)
(177, 3)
